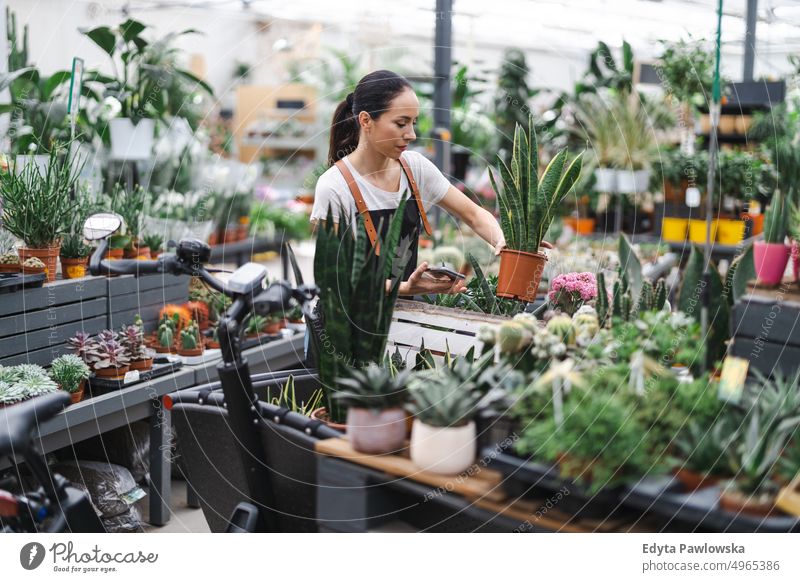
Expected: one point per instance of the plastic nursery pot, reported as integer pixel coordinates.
(376, 432)
(74, 268)
(142, 364)
(520, 274)
(730, 231)
(443, 450)
(692, 480)
(697, 231)
(76, 397)
(605, 179)
(631, 182)
(49, 256)
(757, 220)
(770, 261)
(272, 328)
(674, 229)
(111, 372)
(584, 225)
(321, 414)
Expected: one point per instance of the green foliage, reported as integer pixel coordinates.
(35, 203)
(255, 324)
(166, 335)
(776, 219)
(704, 449)
(287, 398)
(355, 305)
(438, 399)
(74, 247)
(687, 70)
(153, 241)
(263, 216)
(511, 103)
(528, 204)
(131, 207)
(373, 387)
(67, 371)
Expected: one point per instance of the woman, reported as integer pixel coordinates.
(371, 169)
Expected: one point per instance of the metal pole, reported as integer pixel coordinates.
(442, 94)
(750, 40)
(714, 110)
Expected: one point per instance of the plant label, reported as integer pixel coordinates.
(731, 382)
(692, 197)
(130, 377)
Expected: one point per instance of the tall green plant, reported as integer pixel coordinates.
(528, 204)
(776, 219)
(35, 202)
(355, 304)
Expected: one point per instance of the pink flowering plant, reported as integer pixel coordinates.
(571, 290)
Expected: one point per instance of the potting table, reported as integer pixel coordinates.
(359, 493)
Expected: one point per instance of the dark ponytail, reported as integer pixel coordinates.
(373, 94)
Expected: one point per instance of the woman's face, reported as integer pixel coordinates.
(392, 131)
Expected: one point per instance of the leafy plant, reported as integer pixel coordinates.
(511, 102)
(68, 371)
(83, 344)
(686, 68)
(25, 381)
(35, 202)
(373, 387)
(153, 241)
(528, 206)
(704, 449)
(356, 302)
(132, 337)
(287, 398)
(255, 324)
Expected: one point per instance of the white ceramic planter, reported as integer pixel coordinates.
(629, 182)
(447, 451)
(605, 179)
(376, 432)
(129, 141)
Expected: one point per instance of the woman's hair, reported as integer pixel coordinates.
(373, 94)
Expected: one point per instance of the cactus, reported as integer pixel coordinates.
(602, 299)
(561, 326)
(587, 323)
(627, 306)
(513, 337)
(166, 335)
(661, 295)
(190, 336)
(616, 310)
(646, 297)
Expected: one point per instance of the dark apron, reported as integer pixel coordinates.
(409, 228)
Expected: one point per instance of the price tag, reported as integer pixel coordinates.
(692, 197)
(130, 377)
(731, 382)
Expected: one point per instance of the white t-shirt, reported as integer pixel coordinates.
(332, 187)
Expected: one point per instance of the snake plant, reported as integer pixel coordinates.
(529, 204)
(354, 302)
(776, 219)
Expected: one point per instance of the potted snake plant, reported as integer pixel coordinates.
(772, 254)
(374, 398)
(527, 208)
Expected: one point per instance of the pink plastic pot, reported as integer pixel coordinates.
(770, 261)
(376, 432)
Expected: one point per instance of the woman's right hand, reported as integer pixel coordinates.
(419, 285)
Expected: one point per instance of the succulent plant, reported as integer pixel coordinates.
(111, 354)
(439, 400)
(166, 335)
(255, 324)
(33, 263)
(67, 371)
(513, 337)
(27, 371)
(7, 242)
(83, 344)
(11, 393)
(107, 335)
(372, 387)
(37, 385)
(561, 326)
(9, 259)
(190, 336)
(132, 337)
(74, 247)
(153, 242)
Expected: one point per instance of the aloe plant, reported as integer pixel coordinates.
(255, 324)
(527, 204)
(68, 371)
(355, 304)
(439, 400)
(776, 219)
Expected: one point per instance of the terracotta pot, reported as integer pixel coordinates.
(114, 254)
(190, 353)
(74, 268)
(770, 261)
(244, 230)
(520, 274)
(142, 364)
(162, 350)
(49, 256)
(376, 432)
(692, 480)
(737, 502)
(76, 397)
(319, 414)
(584, 225)
(154, 254)
(5, 268)
(273, 328)
(213, 239)
(112, 373)
(34, 270)
(130, 252)
(212, 345)
(143, 253)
